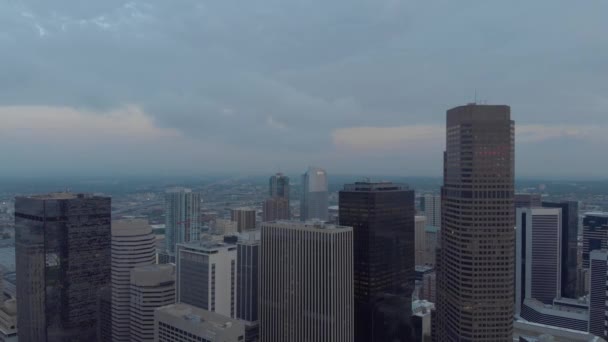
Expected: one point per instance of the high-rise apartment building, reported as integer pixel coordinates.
(538, 255)
(432, 209)
(182, 217)
(152, 287)
(306, 285)
(248, 256)
(314, 197)
(598, 311)
(595, 234)
(420, 245)
(63, 260)
(244, 218)
(382, 217)
(133, 245)
(528, 200)
(477, 257)
(206, 276)
(569, 245)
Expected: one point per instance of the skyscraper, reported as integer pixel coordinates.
(382, 217)
(152, 287)
(595, 234)
(306, 286)
(538, 255)
(275, 208)
(528, 201)
(421, 245)
(63, 259)
(182, 217)
(598, 262)
(477, 256)
(206, 276)
(432, 210)
(133, 245)
(279, 186)
(314, 196)
(248, 255)
(569, 245)
(244, 217)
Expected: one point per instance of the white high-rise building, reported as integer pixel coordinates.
(206, 276)
(314, 197)
(538, 255)
(432, 210)
(133, 245)
(306, 286)
(420, 239)
(152, 287)
(182, 217)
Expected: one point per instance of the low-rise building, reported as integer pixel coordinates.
(186, 323)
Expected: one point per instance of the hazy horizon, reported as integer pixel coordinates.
(150, 87)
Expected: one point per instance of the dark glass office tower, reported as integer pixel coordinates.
(475, 280)
(569, 245)
(279, 186)
(595, 234)
(382, 217)
(63, 260)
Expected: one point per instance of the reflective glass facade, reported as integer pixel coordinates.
(63, 260)
(382, 217)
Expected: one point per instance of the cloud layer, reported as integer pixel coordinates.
(288, 83)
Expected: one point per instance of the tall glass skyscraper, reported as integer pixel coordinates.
(182, 217)
(314, 197)
(476, 269)
(277, 206)
(382, 216)
(279, 186)
(63, 259)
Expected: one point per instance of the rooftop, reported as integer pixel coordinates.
(207, 246)
(375, 186)
(311, 225)
(61, 196)
(196, 316)
(554, 309)
(597, 214)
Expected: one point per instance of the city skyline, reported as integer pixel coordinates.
(300, 94)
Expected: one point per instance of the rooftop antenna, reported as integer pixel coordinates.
(475, 99)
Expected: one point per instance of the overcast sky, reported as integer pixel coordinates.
(355, 86)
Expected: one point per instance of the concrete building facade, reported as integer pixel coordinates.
(151, 287)
(186, 323)
(420, 244)
(133, 245)
(206, 276)
(538, 255)
(306, 285)
(245, 218)
(476, 270)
